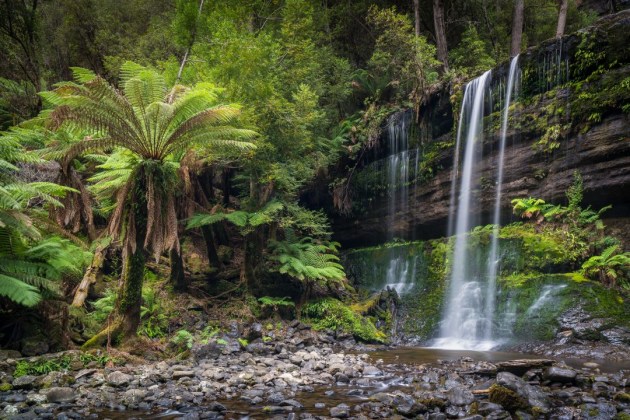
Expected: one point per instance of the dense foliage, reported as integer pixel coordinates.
(197, 131)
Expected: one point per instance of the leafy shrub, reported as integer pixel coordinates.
(183, 339)
(609, 267)
(333, 314)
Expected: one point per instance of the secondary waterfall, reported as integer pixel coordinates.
(401, 168)
(468, 319)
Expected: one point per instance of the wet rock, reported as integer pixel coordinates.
(134, 396)
(275, 398)
(177, 374)
(599, 411)
(487, 407)
(520, 366)
(342, 411)
(118, 378)
(459, 395)
(276, 409)
(292, 403)
(533, 396)
(617, 335)
(24, 382)
(560, 374)
(372, 371)
(217, 407)
(61, 395)
(407, 406)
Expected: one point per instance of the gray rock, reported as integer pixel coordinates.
(599, 411)
(534, 396)
(275, 398)
(206, 351)
(9, 354)
(560, 374)
(34, 347)
(372, 371)
(24, 382)
(134, 396)
(292, 403)
(62, 394)
(487, 407)
(341, 411)
(459, 395)
(319, 405)
(407, 406)
(118, 378)
(177, 374)
(254, 332)
(34, 398)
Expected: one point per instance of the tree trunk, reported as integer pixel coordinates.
(193, 35)
(125, 319)
(440, 33)
(90, 276)
(416, 15)
(177, 277)
(250, 261)
(226, 186)
(517, 27)
(562, 18)
(211, 247)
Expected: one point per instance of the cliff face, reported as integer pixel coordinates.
(572, 114)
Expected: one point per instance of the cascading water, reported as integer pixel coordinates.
(401, 167)
(459, 328)
(547, 294)
(468, 318)
(493, 258)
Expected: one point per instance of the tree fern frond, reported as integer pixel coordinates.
(18, 291)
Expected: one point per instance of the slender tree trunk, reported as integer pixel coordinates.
(192, 42)
(90, 276)
(177, 277)
(211, 247)
(517, 27)
(562, 18)
(440, 33)
(416, 15)
(226, 186)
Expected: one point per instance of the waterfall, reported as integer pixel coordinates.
(468, 320)
(463, 316)
(401, 168)
(546, 295)
(493, 258)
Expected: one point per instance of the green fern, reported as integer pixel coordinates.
(609, 267)
(307, 259)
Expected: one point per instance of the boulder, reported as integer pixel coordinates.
(62, 394)
(118, 379)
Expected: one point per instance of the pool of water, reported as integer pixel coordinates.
(430, 355)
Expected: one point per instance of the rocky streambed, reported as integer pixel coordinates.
(307, 375)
